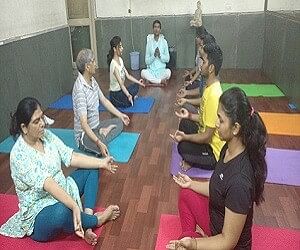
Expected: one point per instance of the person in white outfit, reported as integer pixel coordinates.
(157, 55)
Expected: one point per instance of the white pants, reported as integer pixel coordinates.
(146, 74)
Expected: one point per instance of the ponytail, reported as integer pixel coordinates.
(114, 42)
(110, 56)
(253, 134)
(254, 138)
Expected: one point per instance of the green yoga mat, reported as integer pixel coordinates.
(256, 89)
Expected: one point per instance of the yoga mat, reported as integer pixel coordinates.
(64, 102)
(193, 172)
(282, 123)
(263, 237)
(283, 166)
(255, 89)
(121, 148)
(143, 104)
(9, 206)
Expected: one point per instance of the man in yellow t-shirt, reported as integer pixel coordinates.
(198, 141)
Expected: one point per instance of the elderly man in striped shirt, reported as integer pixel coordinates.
(91, 134)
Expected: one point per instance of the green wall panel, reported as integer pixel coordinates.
(232, 31)
(39, 66)
(281, 57)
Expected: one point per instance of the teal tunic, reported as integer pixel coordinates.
(29, 170)
(156, 65)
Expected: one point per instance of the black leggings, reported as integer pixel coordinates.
(120, 100)
(197, 155)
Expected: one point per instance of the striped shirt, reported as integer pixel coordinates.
(85, 102)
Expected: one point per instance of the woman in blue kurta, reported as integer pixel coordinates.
(49, 202)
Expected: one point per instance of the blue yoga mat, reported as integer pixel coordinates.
(142, 104)
(121, 148)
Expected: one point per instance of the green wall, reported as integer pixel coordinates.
(39, 66)
(241, 36)
(281, 57)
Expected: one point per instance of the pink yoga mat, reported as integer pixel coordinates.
(263, 237)
(283, 166)
(9, 206)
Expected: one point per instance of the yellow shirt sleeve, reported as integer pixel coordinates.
(210, 109)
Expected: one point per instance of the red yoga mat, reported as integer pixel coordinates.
(9, 206)
(263, 237)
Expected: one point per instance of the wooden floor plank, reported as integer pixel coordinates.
(143, 187)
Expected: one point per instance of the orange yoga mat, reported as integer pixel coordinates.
(282, 123)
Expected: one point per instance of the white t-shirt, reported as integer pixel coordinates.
(114, 84)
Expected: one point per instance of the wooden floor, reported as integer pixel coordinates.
(144, 189)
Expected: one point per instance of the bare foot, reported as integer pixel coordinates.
(110, 213)
(90, 237)
(164, 82)
(185, 166)
(105, 131)
(155, 85)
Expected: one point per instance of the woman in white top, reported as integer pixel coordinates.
(120, 95)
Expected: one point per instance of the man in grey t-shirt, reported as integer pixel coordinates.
(91, 134)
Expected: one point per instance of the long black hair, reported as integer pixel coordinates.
(252, 132)
(25, 110)
(114, 42)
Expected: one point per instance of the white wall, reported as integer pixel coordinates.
(119, 8)
(24, 17)
(276, 5)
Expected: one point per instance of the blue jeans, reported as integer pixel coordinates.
(57, 219)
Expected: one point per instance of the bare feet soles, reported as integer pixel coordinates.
(110, 213)
(163, 83)
(90, 237)
(185, 166)
(105, 131)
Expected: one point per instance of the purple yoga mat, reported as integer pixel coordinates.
(283, 166)
(193, 172)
